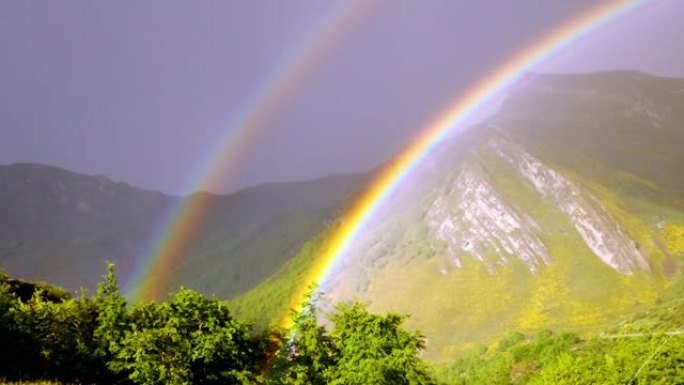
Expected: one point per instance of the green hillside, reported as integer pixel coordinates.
(645, 347)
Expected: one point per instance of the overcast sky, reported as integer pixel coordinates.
(140, 91)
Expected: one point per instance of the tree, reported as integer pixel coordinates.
(190, 340)
(10, 353)
(113, 321)
(309, 353)
(375, 349)
(56, 338)
(362, 348)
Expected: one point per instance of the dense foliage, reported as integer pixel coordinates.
(648, 348)
(362, 348)
(191, 339)
(565, 359)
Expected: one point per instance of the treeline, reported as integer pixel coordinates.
(190, 339)
(45, 334)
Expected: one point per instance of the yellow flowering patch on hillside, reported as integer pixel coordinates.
(673, 236)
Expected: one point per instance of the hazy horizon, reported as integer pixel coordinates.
(302, 179)
(142, 93)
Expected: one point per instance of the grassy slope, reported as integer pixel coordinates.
(643, 353)
(268, 302)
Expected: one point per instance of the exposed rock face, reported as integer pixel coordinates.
(602, 233)
(472, 218)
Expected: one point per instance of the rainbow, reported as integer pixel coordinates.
(361, 211)
(155, 267)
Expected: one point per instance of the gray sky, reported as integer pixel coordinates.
(139, 91)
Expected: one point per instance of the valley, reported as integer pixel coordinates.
(562, 211)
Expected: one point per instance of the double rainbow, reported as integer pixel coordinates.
(171, 240)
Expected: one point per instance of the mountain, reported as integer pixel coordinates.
(61, 226)
(564, 210)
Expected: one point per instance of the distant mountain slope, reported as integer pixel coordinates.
(564, 210)
(253, 232)
(62, 226)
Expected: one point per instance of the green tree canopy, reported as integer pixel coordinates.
(189, 340)
(362, 348)
(375, 349)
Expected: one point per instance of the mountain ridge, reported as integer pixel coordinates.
(62, 226)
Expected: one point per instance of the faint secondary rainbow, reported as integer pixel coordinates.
(155, 267)
(361, 211)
